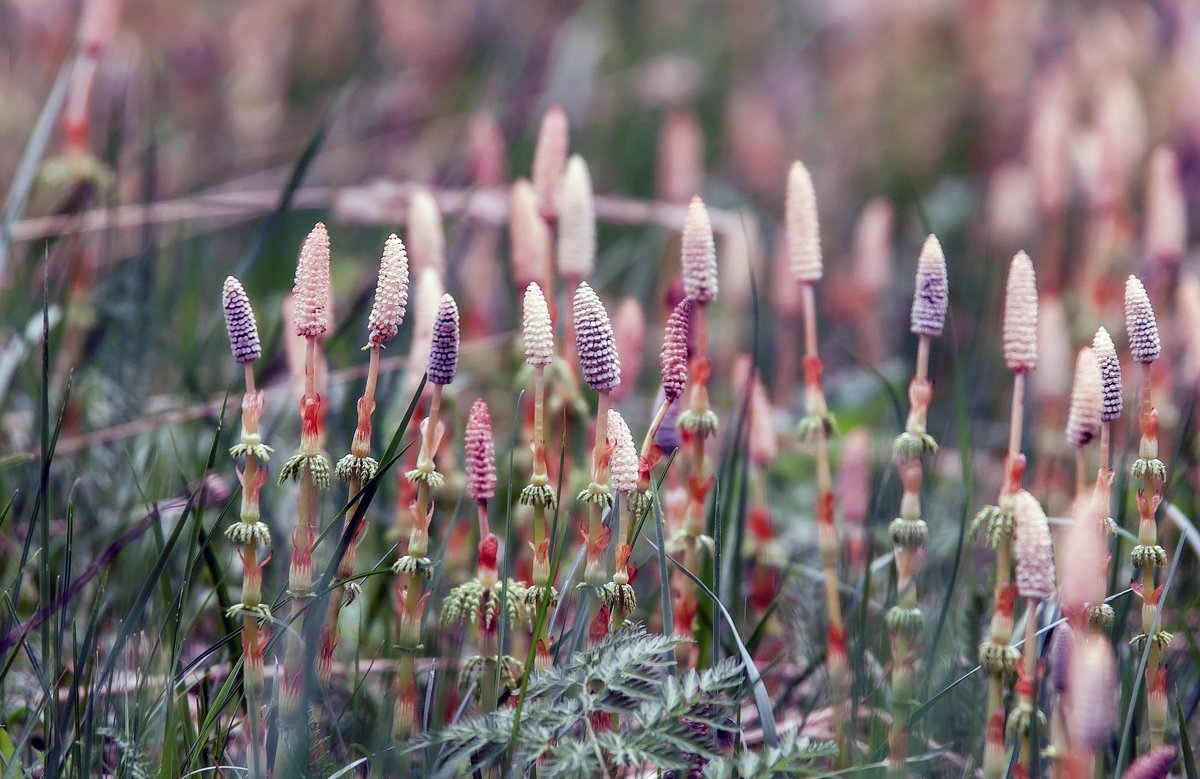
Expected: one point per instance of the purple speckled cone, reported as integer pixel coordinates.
(443, 350)
(1062, 647)
(480, 451)
(1155, 764)
(595, 342)
(674, 358)
(1110, 375)
(931, 296)
(239, 322)
(1140, 323)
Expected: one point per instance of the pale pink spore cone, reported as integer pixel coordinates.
(311, 288)
(391, 293)
(1020, 329)
(699, 254)
(802, 225)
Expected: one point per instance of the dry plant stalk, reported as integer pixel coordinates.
(249, 531)
(997, 657)
(358, 467)
(1142, 329)
(698, 422)
(415, 567)
(909, 531)
(311, 468)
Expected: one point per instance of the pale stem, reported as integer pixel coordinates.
(922, 359)
(1080, 470)
(483, 520)
(372, 376)
(1031, 664)
(430, 434)
(810, 319)
(1105, 443)
(1018, 414)
(539, 404)
(655, 424)
(310, 366)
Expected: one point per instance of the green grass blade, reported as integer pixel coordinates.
(761, 699)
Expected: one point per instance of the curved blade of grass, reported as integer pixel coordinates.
(664, 586)
(761, 699)
(31, 157)
(295, 179)
(1185, 742)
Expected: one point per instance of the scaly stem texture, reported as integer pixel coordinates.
(357, 468)
(1149, 556)
(996, 656)
(414, 568)
(252, 532)
(308, 466)
(908, 534)
(697, 423)
(819, 425)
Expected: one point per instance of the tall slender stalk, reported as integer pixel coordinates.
(311, 468)
(601, 367)
(698, 422)
(1111, 404)
(479, 600)
(538, 337)
(415, 567)
(803, 235)
(358, 467)
(909, 531)
(1148, 555)
(998, 658)
(250, 531)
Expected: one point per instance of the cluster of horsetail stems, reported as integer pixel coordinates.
(310, 467)
(803, 235)
(909, 531)
(999, 659)
(249, 531)
(698, 422)
(619, 493)
(415, 567)
(1148, 556)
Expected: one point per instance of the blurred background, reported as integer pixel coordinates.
(186, 140)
